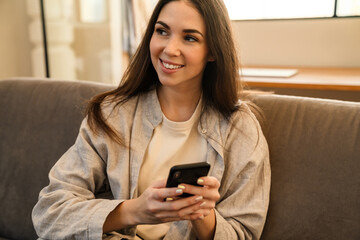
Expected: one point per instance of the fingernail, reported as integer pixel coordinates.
(200, 180)
(201, 217)
(199, 198)
(181, 186)
(179, 191)
(169, 199)
(202, 204)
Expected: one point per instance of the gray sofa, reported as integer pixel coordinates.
(314, 148)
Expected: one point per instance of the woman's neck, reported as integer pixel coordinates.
(178, 106)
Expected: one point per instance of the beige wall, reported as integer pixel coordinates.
(15, 45)
(313, 42)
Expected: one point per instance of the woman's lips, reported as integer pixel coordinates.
(169, 67)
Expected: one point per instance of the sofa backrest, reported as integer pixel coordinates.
(315, 160)
(39, 121)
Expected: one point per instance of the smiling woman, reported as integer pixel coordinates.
(179, 54)
(178, 103)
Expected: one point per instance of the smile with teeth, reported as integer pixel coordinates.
(171, 66)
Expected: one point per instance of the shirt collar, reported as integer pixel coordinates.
(152, 107)
(212, 125)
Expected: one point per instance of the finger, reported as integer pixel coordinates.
(175, 209)
(209, 181)
(207, 204)
(204, 212)
(206, 192)
(159, 183)
(162, 194)
(182, 206)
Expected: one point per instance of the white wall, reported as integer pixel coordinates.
(311, 42)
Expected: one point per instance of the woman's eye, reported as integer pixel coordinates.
(191, 39)
(161, 32)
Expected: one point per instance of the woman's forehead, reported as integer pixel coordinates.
(182, 14)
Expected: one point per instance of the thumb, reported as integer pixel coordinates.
(159, 183)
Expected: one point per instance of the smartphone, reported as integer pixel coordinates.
(187, 173)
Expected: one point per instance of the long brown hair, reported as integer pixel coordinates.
(221, 84)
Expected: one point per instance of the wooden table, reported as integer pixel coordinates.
(344, 79)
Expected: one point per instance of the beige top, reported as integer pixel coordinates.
(173, 143)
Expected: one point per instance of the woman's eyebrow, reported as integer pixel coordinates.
(163, 24)
(193, 31)
(185, 30)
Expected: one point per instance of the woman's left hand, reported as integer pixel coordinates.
(209, 192)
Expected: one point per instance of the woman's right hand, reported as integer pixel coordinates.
(151, 208)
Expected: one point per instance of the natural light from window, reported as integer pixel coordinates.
(348, 7)
(279, 9)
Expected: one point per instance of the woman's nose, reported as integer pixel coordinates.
(172, 47)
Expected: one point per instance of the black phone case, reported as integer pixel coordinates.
(187, 173)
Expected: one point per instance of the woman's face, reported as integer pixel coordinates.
(178, 48)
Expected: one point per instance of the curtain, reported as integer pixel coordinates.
(135, 15)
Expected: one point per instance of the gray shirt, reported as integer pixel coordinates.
(96, 174)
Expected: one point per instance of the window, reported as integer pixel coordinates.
(282, 9)
(348, 8)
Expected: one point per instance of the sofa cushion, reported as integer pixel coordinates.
(39, 121)
(315, 162)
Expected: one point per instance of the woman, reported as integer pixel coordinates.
(178, 103)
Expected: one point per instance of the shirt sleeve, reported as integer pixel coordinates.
(241, 212)
(68, 207)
